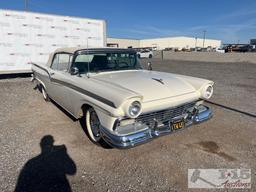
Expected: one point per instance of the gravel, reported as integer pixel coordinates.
(225, 141)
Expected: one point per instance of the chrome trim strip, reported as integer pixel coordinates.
(104, 50)
(85, 92)
(40, 67)
(78, 89)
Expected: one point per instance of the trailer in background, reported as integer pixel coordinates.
(30, 37)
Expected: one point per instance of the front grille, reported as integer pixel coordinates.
(164, 115)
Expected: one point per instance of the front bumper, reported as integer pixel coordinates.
(140, 137)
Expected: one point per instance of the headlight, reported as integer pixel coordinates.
(134, 109)
(207, 91)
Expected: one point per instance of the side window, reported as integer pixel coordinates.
(55, 62)
(81, 62)
(61, 61)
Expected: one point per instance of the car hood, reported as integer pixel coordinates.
(151, 85)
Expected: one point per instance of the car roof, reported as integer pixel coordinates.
(72, 50)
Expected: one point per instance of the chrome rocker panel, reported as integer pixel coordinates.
(134, 139)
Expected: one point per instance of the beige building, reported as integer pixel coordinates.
(123, 43)
(165, 42)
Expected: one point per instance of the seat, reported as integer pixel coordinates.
(99, 62)
(82, 66)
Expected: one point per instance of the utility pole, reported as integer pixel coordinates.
(204, 37)
(26, 5)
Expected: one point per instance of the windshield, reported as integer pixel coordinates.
(100, 62)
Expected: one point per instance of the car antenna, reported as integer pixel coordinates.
(88, 64)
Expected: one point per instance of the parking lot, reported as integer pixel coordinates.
(225, 141)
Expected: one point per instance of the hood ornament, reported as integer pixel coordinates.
(159, 80)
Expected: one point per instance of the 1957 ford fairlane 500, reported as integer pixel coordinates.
(122, 103)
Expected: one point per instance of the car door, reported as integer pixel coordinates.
(144, 53)
(147, 53)
(59, 72)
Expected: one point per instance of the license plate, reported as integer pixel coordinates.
(177, 125)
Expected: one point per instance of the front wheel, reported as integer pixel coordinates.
(93, 125)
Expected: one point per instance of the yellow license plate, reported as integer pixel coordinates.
(177, 125)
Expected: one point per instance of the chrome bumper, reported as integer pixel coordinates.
(140, 137)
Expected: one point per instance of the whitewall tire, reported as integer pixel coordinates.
(45, 95)
(93, 125)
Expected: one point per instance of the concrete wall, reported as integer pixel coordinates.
(208, 56)
(124, 43)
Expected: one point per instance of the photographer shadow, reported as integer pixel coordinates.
(48, 170)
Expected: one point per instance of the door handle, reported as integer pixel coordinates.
(52, 73)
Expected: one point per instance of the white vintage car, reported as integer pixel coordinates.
(122, 103)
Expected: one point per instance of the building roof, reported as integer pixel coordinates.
(163, 37)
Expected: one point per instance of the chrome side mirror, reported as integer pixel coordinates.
(74, 71)
(150, 66)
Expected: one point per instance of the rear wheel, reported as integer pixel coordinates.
(150, 56)
(93, 125)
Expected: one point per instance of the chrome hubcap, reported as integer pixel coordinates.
(95, 124)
